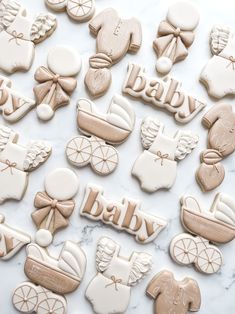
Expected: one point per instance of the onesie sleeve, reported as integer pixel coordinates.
(216, 112)
(157, 284)
(194, 296)
(136, 36)
(97, 22)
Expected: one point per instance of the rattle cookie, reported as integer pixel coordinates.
(114, 127)
(156, 167)
(19, 34)
(172, 296)
(175, 35)
(216, 225)
(115, 37)
(57, 82)
(110, 290)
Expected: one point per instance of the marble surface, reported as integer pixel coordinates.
(217, 290)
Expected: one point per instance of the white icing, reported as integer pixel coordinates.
(164, 65)
(43, 237)
(45, 112)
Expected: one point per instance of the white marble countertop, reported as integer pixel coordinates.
(217, 290)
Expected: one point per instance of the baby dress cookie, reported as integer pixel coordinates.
(19, 33)
(57, 81)
(156, 167)
(220, 121)
(115, 37)
(216, 225)
(162, 93)
(55, 205)
(16, 161)
(172, 296)
(110, 290)
(175, 35)
(114, 127)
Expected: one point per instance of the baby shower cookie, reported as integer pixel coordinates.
(115, 37)
(156, 167)
(19, 33)
(172, 296)
(114, 127)
(55, 205)
(11, 240)
(175, 35)
(57, 82)
(110, 290)
(125, 215)
(16, 161)
(162, 93)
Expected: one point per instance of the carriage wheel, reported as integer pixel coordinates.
(25, 298)
(81, 10)
(51, 306)
(184, 251)
(78, 151)
(209, 260)
(104, 159)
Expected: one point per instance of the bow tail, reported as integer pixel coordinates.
(161, 44)
(40, 216)
(181, 51)
(58, 222)
(60, 98)
(42, 90)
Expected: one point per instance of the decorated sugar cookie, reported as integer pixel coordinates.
(216, 225)
(114, 127)
(55, 205)
(16, 161)
(57, 82)
(19, 34)
(156, 167)
(110, 290)
(172, 296)
(175, 35)
(115, 37)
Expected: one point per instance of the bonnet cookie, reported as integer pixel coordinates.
(156, 167)
(55, 205)
(19, 34)
(110, 290)
(57, 81)
(172, 296)
(175, 35)
(114, 127)
(115, 37)
(16, 161)
(216, 225)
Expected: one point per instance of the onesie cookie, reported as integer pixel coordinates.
(172, 296)
(19, 34)
(115, 37)
(156, 167)
(114, 127)
(175, 35)
(216, 225)
(110, 290)
(57, 81)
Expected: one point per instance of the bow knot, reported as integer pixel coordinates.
(161, 157)
(10, 165)
(114, 282)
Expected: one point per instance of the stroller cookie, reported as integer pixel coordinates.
(57, 82)
(16, 161)
(162, 93)
(19, 34)
(175, 35)
(216, 225)
(115, 37)
(172, 296)
(156, 167)
(110, 290)
(114, 127)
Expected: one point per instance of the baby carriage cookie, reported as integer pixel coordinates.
(214, 226)
(57, 81)
(16, 161)
(110, 290)
(19, 34)
(114, 127)
(115, 37)
(172, 296)
(175, 35)
(156, 167)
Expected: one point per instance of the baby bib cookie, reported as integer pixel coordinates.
(172, 296)
(114, 127)
(57, 82)
(175, 35)
(110, 290)
(19, 34)
(156, 167)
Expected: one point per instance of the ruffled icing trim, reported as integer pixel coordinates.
(186, 143)
(42, 25)
(104, 254)
(149, 131)
(219, 38)
(142, 264)
(8, 13)
(4, 137)
(37, 153)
